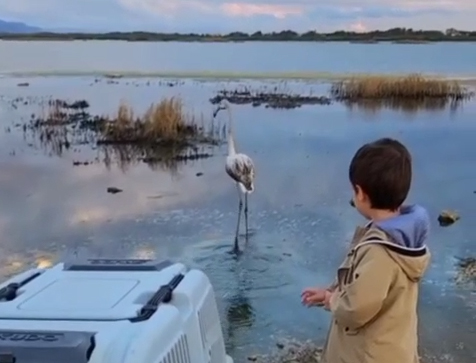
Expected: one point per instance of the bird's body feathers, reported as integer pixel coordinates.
(241, 169)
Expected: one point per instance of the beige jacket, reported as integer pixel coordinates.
(374, 306)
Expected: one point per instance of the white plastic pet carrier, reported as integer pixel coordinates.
(110, 311)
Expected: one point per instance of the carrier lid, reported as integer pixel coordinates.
(98, 290)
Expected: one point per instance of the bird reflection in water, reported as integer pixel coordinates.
(240, 314)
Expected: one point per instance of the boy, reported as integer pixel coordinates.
(373, 300)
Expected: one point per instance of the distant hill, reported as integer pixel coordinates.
(16, 27)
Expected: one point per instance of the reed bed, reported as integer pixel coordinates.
(164, 122)
(414, 87)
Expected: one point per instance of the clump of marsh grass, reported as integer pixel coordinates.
(411, 87)
(168, 120)
(165, 122)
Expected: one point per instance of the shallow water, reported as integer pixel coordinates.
(336, 57)
(299, 213)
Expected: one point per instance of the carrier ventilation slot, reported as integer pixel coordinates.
(207, 314)
(205, 318)
(179, 352)
(109, 264)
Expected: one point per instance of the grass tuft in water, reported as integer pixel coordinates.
(412, 87)
(165, 122)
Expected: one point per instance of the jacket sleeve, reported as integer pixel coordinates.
(332, 287)
(358, 302)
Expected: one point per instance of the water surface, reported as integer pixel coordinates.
(335, 57)
(299, 213)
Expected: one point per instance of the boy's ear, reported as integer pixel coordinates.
(359, 193)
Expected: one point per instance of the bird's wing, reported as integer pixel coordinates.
(238, 166)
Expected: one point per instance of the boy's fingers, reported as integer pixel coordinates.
(308, 290)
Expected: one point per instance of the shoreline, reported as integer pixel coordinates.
(208, 41)
(231, 76)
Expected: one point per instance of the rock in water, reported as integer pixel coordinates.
(447, 218)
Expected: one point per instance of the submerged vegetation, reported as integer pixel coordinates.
(273, 99)
(466, 270)
(165, 134)
(408, 93)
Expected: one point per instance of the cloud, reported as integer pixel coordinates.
(240, 15)
(250, 10)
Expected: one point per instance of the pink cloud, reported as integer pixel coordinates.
(166, 7)
(247, 10)
(358, 27)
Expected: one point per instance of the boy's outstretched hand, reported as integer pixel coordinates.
(313, 296)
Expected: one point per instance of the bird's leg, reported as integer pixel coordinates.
(240, 207)
(246, 215)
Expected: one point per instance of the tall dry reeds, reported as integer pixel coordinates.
(168, 120)
(165, 121)
(414, 87)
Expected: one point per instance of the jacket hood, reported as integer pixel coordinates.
(407, 235)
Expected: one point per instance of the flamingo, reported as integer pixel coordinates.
(240, 169)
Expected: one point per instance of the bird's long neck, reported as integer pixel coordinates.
(231, 144)
(231, 139)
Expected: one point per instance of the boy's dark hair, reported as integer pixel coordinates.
(383, 169)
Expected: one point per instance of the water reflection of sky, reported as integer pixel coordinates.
(300, 210)
(339, 57)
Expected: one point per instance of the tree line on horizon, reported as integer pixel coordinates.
(394, 34)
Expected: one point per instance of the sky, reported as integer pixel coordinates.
(218, 16)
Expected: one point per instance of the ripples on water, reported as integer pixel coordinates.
(299, 213)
